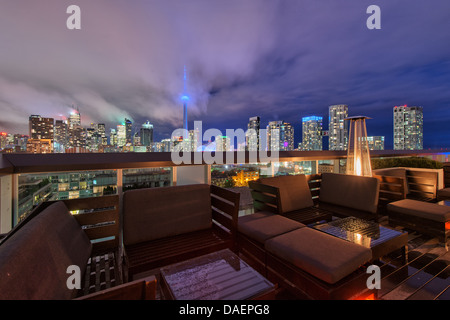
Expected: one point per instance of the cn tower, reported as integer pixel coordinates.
(185, 99)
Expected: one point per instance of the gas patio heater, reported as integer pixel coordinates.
(358, 155)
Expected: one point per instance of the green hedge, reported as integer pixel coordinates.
(411, 162)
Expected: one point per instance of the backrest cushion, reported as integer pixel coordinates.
(351, 191)
(294, 191)
(155, 213)
(34, 261)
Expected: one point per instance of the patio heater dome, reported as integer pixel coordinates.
(358, 155)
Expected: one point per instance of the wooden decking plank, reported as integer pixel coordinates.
(434, 287)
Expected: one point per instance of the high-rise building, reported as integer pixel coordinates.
(252, 134)
(408, 128)
(223, 143)
(312, 133)
(280, 136)
(121, 135)
(146, 134)
(41, 128)
(338, 127)
(376, 142)
(77, 136)
(128, 131)
(61, 136)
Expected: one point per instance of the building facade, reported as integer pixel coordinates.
(312, 132)
(252, 140)
(338, 127)
(280, 136)
(408, 128)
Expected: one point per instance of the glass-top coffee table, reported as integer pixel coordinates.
(220, 275)
(381, 240)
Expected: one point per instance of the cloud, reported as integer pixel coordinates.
(276, 59)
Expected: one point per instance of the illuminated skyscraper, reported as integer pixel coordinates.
(408, 128)
(338, 128)
(77, 137)
(312, 133)
(252, 134)
(128, 131)
(41, 128)
(280, 136)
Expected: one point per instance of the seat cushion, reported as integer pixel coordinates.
(156, 213)
(443, 193)
(294, 191)
(427, 210)
(261, 226)
(360, 193)
(34, 261)
(319, 254)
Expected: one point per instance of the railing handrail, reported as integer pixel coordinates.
(13, 163)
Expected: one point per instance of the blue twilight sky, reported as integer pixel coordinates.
(277, 59)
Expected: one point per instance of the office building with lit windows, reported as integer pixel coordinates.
(408, 128)
(312, 133)
(338, 127)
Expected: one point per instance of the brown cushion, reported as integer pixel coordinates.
(351, 191)
(155, 213)
(319, 254)
(444, 193)
(261, 226)
(427, 210)
(294, 191)
(34, 261)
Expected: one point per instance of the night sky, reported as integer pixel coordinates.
(280, 60)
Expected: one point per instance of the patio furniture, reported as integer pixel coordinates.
(381, 240)
(167, 225)
(35, 256)
(255, 229)
(420, 184)
(289, 196)
(428, 218)
(444, 193)
(219, 275)
(392, 188)
(348, 195)
(315, 265)
(302, 262)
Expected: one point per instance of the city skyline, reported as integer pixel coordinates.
(277, 60)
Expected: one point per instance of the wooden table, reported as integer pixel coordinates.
(381, 240)
(220, 275)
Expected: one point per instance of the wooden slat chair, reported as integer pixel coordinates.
(99, 218)
(392, 188)
(422, 185)
(289, 196)
(444, 194)
(171, 224)
(51, 239)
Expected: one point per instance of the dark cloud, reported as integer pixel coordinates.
(281, 60)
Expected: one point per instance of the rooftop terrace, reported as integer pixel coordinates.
(424, 276)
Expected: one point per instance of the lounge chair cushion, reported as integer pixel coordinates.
(262, 225)
(34, 261)
(443, 193)
(156, 213)
(319, 254)
(294, 191)
(427, 210)
(360, 193)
